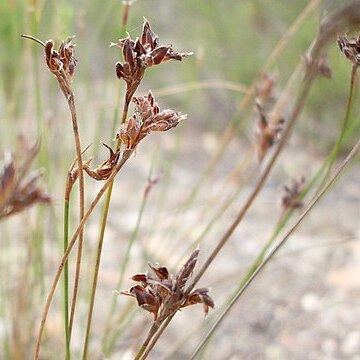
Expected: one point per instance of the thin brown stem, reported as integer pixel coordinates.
(348, 15)
(154, 338)
(126, 155)
(154, 328)
(276, 248)
(100, 244)
(71, 102)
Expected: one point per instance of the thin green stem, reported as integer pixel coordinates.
(337, 147)
(66, 280)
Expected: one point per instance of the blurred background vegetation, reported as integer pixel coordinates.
(231, 40)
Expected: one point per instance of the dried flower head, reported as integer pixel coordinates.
(267, 133)
(18, 189)
(350, 48)
(147, 118)
(140, 54)
(62, 59)
(292, 194)
(265, 87)
(102, 171)
(162, 294)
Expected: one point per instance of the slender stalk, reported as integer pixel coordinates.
(66, 280)
(154, 328)
(99, 248)
(258, 266)
(339, 142)
(69, 95)
(106, 206)
(68, 189)
(125, 157)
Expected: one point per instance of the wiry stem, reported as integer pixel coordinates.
(337, 147)
(105, 208)
(154, 328)
(69, 95)
(155, 337)
(99, 248)
(260, 263)
(126, 155)
(349, 14)
(68, 189)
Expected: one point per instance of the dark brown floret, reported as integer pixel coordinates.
(162, 294)
(147, 118)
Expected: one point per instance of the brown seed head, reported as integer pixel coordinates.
(163, 294)
(147, 118)
(292, 194)
(140, 54)
(61, 59)
(104, 170)
(350, 48)
(267, 134)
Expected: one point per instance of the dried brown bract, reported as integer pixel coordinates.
(104, 170)
(265, 87)
(18, 188)
(267, 133)
(147, 118)
(350, 48)
(62, 59)
(292, 194)
(321, 66)
(140, 54)
(162, 294)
